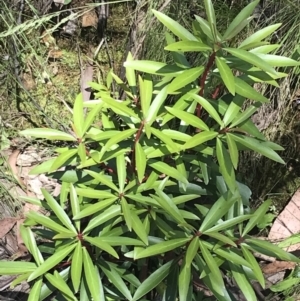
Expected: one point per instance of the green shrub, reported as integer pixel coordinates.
(149, 205)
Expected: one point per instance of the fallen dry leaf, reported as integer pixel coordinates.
(89, 19)
(278, 266)
(6, 225)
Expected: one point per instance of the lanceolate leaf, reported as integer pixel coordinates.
(140, 161)
(152, 281)
(252, 59)
(58, 210)
(138, 227)
(121, 170)
(185, 78)
(244, 89)
(226, 75)
(103, 179)
(254, 144)
(164, 138)
(52, 261)
(48, 134)
(233, 150)
(91, 276)
(16, 267)
(35, 290)
(208, 107)
(184, 281)
(76, 267)
(146, 90)
(98, 242)
(78, 116)
(226, 167)
(188, 118)
(186, 46)
(213, 267)
(162, 247)
(238, 23)
(277, 60)
(126, 213)
(211, 17)
(170, 171)
(254, 265)
(62, 159)
(199, 139)
(174, 26)
(219, 209)
(192, 251)
(242, 281)
(260, 35)
(257, 217)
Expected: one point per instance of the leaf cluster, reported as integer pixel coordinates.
(149, 203)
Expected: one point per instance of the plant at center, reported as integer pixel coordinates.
(149, 204)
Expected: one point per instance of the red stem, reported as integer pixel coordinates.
(210, 63)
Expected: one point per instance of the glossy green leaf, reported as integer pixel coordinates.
(271, 248)
(35, 291)
(111, 212)
(116, 279)
(244, 89)
(174, 26)
(126, 213)
(233, 150)
(260, 35)
(16, 267)
(121, 171)
(231, 256)
(226, 167)
(130, 75)
(164, 138)
(257, 217)
(192, 250)
(78, 119)
(219, 209)
(208, 107)
(184, 281)
(188, 118)
(170, 293)
(265, 48)
(138, 227)
(81, 151)
(240, 21)
(30, 243)
(244, 116)
(156, 105)
(226, 75)
(94, 208)
(277, 60)
(199, 139)
(187, 46)
(90, 118)
(165, 168)
(98, 242)
(140, 161)
(62, 159)
(205, 27)
(146, 90)
(58, 210)
(162, 247)
(93, 193)
(226, 225)
(254, 265)
(242, 281)
(213, 267)
(220, 237)
(51, 262)
(58, 282)
(185, 78)
(49, 134)
(121, 240)
(178, 56)
(284, 285)
(153, 67)
(47, 222)
(211, 17)
(168, 205)
(255, 145)
(152, 281)
(102, 178)
(251, 58)
(91, 276)
(76, 267)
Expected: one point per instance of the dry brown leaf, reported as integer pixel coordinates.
(288, 222)
(89, 19)
(278, 266)
(6, 225)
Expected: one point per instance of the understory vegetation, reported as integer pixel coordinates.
(169, 152)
